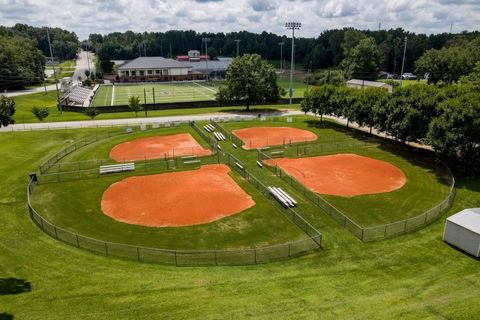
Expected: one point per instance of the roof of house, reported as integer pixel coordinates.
(153, 63)
(366, 83)
(468, 218)
(213, 65)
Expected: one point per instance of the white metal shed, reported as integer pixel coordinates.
(462, 230)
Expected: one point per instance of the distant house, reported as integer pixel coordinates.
(462, 230)
(361, 84)
(144, 69)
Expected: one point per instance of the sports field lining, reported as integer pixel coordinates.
(116, 95)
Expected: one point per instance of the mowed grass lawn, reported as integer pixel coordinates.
(426, 185)
(25, 103)
(109, 95)
(415, 276)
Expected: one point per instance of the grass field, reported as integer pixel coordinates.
(24, 104)
(113, 95)
(423, 190)
(415, 276)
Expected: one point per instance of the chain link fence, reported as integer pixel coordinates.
(364, 233)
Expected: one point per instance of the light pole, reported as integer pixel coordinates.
(403, 62)
(281, 56)
(59, 106)
(206, 40)
(292, 26)
(238, 51)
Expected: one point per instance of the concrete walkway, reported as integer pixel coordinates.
(186, 118)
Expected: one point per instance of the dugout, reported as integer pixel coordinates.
(462, 230)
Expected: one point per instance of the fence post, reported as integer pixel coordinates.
(255, 255)
(385, 232)
(106, 249)
(405, 228)
(138, 253)
(176, 262)
(55, 230)
(361, 237)
(78, 243)
(216, 258)
(289, 249)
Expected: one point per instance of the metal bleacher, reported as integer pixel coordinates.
(78, 95)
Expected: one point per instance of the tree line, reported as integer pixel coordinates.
(445, 118)
(23, 52)
(328, 50)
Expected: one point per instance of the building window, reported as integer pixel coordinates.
(142, 73)
(157, 71)
(150, 72)
(134, 73)
(127, 73)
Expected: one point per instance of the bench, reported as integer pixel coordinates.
(191, 162)
(122, 167)
(276, 153)
(189, 157)
(234, 145)
(286, 195)
(207, 128)
(239, 165)
(280, 197)
(260, 164)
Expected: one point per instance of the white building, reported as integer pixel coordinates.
(462, 230)
(144, 69)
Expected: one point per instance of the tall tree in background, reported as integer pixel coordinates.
(320, 100)
(363, 60)
(250, 80)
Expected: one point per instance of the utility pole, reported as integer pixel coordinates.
(238, 51)
(170, 50)
(451, 27)
(206, 40)
(403, 62)
(292, 26)
(281, 56)
(59, 106)
(145, 101)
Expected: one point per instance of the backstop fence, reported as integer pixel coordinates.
(363, 233)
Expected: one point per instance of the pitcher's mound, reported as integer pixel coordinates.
(343, 174)
(157, 147)
(258, 137)
(176, 199)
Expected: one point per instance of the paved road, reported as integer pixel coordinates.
(186, 118)
(84, 62)
(84, 59)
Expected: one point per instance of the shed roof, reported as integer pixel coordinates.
(153, 63)
(468, 218)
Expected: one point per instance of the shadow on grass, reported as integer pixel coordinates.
(14, 286)
(6, 316)
(253, 110)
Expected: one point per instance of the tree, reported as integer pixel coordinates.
(318, 78)
(250, 80)
(40, 113)
(92, 112)
(455, 133)
(363, 60)
(7, 110)
(369, 102)
(134, 104)
(320, 100)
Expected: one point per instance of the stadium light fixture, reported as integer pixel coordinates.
(206, 40)
(292, 26)
(403, 62)
(281, 56)
(238, 51)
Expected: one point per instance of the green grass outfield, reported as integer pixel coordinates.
(423, 190)
(415, 276)
(114, 95)
(24, 104)
(62, 203)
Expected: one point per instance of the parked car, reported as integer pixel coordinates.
(409, 76)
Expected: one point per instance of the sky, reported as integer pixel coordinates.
(105, 16)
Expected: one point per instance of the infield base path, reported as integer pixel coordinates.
(157, 147)
(258, 137)
(176, 199)
(343, 174)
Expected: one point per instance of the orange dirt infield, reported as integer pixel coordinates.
(258, 137)
(176, 199)
(343, 174)
(182, 144)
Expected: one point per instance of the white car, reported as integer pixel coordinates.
(409, 76)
